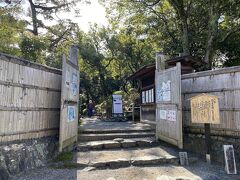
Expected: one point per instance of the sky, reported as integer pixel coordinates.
(89, 14)
(93, 13)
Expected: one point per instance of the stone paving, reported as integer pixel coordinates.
(112, 161)
(98, 125)
(127, 157)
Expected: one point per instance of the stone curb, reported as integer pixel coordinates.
(135, 161)
(107, 131)
(113, 145)
(96, 137)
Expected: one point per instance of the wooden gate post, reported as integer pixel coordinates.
(160, 61)
(133, 112)
(168, 102)
(68, 130)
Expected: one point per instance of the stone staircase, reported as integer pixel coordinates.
(114, 148)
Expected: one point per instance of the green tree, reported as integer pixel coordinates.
(185, 26)
(10, 32)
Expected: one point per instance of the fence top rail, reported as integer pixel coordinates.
(21, 61)
(212, 72)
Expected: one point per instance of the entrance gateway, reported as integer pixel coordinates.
(168, 103)
(69, 100)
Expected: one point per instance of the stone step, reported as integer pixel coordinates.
(126, 157)
(107, 131)
(111, 136)
(112, 144)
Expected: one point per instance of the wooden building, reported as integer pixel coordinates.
(146, 78)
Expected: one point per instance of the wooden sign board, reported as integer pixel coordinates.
(229, 156)
(205, 109)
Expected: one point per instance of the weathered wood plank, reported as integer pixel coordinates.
(30, 99)
(224, 83)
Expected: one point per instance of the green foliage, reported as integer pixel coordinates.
(198, 27)
(10, 32)
(33, 48)
(230, 48)
(208, 30)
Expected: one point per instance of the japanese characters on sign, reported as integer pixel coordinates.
(205, 109)
(169, 115)
(117, 104)
(163, 92)
(229, 156)
(71, 82)
(71, 113)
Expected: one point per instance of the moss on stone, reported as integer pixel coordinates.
(64, 157)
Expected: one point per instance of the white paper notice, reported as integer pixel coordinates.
(163, 92)
(71, 113)
(171, 115)
(166, 91)
(163, 114)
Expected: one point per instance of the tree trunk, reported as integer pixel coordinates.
(185, 39)
(212, 33)
(34, 18)
(179, 8)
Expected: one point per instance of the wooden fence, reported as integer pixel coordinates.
(224, 83)
(29, 99)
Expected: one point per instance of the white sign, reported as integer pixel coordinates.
(163, 114)
(143, 96)
(163, 92)
(230, 163)
(117, 104)
(74, 85)
(147, 96)
(171, 115)
(183, 158)
(71, 113)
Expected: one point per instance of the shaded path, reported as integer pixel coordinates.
(142, 170)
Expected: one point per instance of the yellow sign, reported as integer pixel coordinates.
(205, 109)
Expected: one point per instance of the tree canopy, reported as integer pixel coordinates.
(208, 30)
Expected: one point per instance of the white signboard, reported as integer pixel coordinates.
(163, 114)
(74, 85)
(171, 115)
(147, 96)
(183, 158)
(230, 163)
(164, 92)
(71, 113)
(117, 104)
(143, 97)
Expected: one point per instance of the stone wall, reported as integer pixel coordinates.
(23, 156)
(196, 143)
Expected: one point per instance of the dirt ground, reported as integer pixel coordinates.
(197, 171)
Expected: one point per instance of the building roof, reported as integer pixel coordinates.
(143, 71)
(188, 63)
